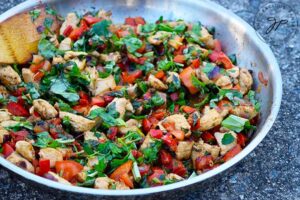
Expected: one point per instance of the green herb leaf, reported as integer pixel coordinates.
(34, 14)
(101, 28)
(47, 49)
(132, 44)
(227, 139)
(151, 153)
(235, 123)
(48, 23)
(165, 65)
(32, 91)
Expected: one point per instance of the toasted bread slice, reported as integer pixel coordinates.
(19, 36)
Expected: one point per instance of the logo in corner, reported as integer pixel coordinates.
(276, 22)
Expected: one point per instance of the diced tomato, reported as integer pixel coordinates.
(144, 169)
(19, 91)
(179, 51)
(44, 166)
(126, 179)
(98, 101)
(112, 132)
(158, 114)
(83, 102)
(156, 133)
(146, 124)
(68, 31)
(165, 157)
(38, 76)
(108, 98)
(68, 168)
(90, 20)
(35, 67)
(136, 153)
(7, 150)
(208, 137)
(140, 60)
(139, 20)
(169, 125)
(122, 33)
(130, 21)
(17, 109)
(156, 178)
(19, 135)
(232, 152)
(188, 109)
(179, 59)
(204, 162)
(81, 109)
(237, 87)
(131, 78)
(77, 32)
(186, 78)
(170, 141)
(123, 169)
(196, 63)
(241, 139)
(221, 58)
(218, 45)
(178, 168)
(160, 74)
(56, 121)
(83, 95)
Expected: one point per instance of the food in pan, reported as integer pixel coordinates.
(124, 106)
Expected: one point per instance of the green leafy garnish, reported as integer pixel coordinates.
(151, 153)
(132, 44)
(60, 87)
(47, 49)
(107, 118)
(235, 123)
(44, 140)
(101, 28)
(227, 139)
(34, 14)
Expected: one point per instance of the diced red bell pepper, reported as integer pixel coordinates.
(98, 101)
(158, 114)
(204, 162)
(144, 169)
(188, 109)
(165, 157)
(221, 58)
(44, 167)
(131, 77)
(83, 95)
(112, 132)
(77, 32)
(160, 74)
(179, 59)
(155, 133)
(241, 139)
(178, 168)
(68, 168)
(208, 137)
(35, 67)
(68, 31)
(186, 78)
(81, 109)
(38, 76)
(90, 20)
(232, 152)
(19, 135)
(83, 102)
(17, 109)
(146, 124)
(134, 21)
(196, 63)
(19, 91)
(156, 178)
(179, 51)
(130, 21)
(7, 150)
(122, 33)
(139, 20)
(170, 141)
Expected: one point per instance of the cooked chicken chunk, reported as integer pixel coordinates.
(103, 85)
(52, 154)
(121, 105)
(8, 123)
(74, 54)
(131, 125)
(184, 150)
(224, 82)
(174, 177)
(244, 111)
(147, 142)
(58, 60)
(156, 83)
(18, 160)
(225, 147)
(71, 20)
(180, 121)
(4, 115)
(114, 56)
(4, 135)
(28, 75)
(26, 150)
(89, 135)
(210, 119)
(132, 91)
(106, 183)
(159, 37)
(246, 80)
(65, 45)
(79, 123)
(207, 38)
(92, 161)
(9, 77)
(57, 178)
(45, 109)
(200, 149)
(3, 91)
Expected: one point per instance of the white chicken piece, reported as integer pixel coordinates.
(211, 118)
(44, 108)
(66, 152)
(104, 14)
(234, 72)
(93, 74)
(26, 150)
(74, 54)
(184, 150)
(65, 45)
(172, 76)
(132, 91)
(226, 147)
(8, 123)
(3, 91)
(147, 142)
(71, 20)
(52, 154)
(207, 38)
(174, 177)
(244, 111)
(57, 178)
(92, 161)
(121, 106)
(176, 42)
(28, 75)
(58, 60)
(113, 56)
(79, 123)
(18, 160)
(201, 149)
(224, 82)
(9, 77)
(131, 125)
(202, 76)
(89, 135)
(4, 135)
(103, 85)
(156, 83)
(180, 121)
(106, 183)
(4, 115)
(158, 37)
(246, 80)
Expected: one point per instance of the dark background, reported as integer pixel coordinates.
(271, 171)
